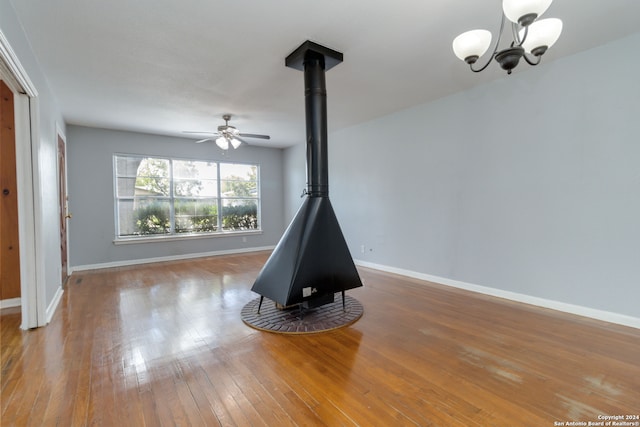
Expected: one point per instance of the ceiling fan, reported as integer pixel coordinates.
(227, 135)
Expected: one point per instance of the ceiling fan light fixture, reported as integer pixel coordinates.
(223, 143)
(228, 135)
(228, 129)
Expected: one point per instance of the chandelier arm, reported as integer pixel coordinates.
(516, 36)
(495, 49)
(484, 66)
(529, 61)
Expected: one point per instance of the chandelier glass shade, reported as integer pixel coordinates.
(542, 34)
(472, 43)
(531, 37)
(517, 10)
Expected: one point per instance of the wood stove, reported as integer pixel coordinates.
(312, 260)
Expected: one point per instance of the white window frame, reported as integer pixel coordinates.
(172, 235)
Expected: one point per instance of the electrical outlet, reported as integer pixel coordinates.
(362, 248)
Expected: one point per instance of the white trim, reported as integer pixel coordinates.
(168, 258)
(9, 303)
(185, 236)
(12, 62)
(607, 316)
(61, 133)
(51, 310)
(38, 220)
(26, 213)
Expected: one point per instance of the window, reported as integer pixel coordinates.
(161, 196)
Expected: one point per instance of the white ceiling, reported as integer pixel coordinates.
(167, 66)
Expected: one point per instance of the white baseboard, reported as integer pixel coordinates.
(51, 309)
(607, 316)
(166, 258)
(11, 302)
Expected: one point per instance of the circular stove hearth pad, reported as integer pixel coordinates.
(307, 321)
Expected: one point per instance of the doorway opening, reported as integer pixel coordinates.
(9, 237)
(25, 130)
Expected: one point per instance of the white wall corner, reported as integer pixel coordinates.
(51, 309)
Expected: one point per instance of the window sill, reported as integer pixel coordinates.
(173, 237)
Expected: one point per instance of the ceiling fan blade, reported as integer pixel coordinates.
(200, 132)
(204, 140)
(253, 135)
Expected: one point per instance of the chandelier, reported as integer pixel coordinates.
(531, 37)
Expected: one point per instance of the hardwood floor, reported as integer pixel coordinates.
(164, 345)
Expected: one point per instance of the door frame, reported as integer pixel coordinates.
(26, 104)
(64, 204)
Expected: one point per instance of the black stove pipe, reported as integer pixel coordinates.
(316, 113)
(314, 59)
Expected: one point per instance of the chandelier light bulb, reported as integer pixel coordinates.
(235, 143)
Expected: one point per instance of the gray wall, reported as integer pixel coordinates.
(295, 179)
(529, 184)
(44, 153)
(91, 196)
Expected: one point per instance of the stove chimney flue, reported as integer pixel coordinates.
(314, 59)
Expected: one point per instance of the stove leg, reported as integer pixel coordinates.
(260, 304)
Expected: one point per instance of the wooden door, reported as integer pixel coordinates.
(64, 215)
(9, 238)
